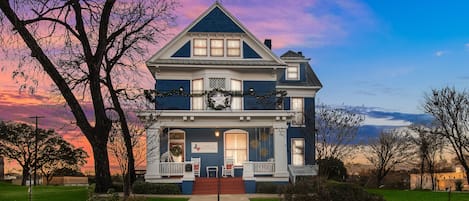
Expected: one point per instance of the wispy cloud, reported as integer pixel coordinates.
(440, 53)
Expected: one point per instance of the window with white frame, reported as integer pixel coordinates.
(236, 100)
(216, 47)
(197, 91)
(297, 106)
(298, 151)
(216, 83)
(233, 47)
(236, 147)
(293, 72)
(200, 47)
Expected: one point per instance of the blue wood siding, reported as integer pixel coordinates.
(216, 21)
(261, 88)
(286, 103)
(249, 53)
(175, 101)
(184, 51)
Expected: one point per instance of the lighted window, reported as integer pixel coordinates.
(216, 47)
(298, 107)
(236, 100)
(197, 91)
(200, 47)
(236, 147)
(293, 72)
(298, 151)
(233, 48)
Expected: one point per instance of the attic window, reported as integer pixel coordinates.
(216, 47)
(292, 72)
(233, 47)
(200, 47)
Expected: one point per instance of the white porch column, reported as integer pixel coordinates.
(280, 151)
(153, 153)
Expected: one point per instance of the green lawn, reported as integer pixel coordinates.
(10, 192)
(403, 195)
(264, 199)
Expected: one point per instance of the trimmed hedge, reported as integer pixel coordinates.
(269, 187)
(140, 187)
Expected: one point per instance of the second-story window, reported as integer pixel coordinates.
(216, 48)
(293, 72)
(233, 48)
(298, 107)
(200, 47)
(197, 91)
(236, 101)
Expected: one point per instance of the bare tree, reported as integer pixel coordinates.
(85, 47)
(336, 130)
(450, 108)
(429, 144)
(118, 150)
(387, 151)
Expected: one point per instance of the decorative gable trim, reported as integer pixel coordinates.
(216, 21)
(154, 60)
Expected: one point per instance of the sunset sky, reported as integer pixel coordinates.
(378, 54)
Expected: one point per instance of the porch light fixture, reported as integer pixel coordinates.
(217, 133)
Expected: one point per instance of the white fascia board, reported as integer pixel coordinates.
(214, 113)
(216, 66)
(297, 87)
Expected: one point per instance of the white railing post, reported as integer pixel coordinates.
(248, 171)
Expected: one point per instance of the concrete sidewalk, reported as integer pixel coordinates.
(231, 197)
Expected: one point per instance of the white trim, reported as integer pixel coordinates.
(298, 72)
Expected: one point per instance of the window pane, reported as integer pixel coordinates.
(297, 106)
(216, 47)
(233, 47)
(292, 72)
(298, 147)
(236, 147)
(197, 88)
(200, 47)
(236, 100)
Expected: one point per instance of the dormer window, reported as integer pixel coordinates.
(200, 47)
(233, 47)
(216, 48)
(293, 72)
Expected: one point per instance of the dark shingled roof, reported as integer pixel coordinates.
(292, 54)
(311, 77)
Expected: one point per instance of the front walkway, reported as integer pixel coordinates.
(224, 197)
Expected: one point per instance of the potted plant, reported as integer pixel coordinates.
(176, 152)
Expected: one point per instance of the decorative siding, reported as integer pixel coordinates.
(249, 53)
(261, 88)
(216, 21)
(174, 101)
(184, 51)
(286, 103)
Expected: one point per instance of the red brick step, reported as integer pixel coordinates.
(204, 186)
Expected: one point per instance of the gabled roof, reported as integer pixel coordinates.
(218, 20)
(292, 54)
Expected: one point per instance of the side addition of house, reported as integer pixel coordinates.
(227, 106)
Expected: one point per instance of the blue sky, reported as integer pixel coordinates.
(389, 60)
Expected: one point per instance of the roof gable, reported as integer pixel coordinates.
(216, 21)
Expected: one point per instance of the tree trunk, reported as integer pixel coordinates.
(101, 164)
(25, 175)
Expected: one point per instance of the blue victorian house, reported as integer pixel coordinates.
(227, 106)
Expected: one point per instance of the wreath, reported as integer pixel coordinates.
(176, 150)
(219, 94)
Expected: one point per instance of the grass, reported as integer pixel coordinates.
(264, 199)
(10, 192)
(405, 195)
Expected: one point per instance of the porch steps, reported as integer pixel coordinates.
(204, 186)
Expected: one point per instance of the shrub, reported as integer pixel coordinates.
(268, 187)
(332, 169)
(140, 187)
(319, 190)
(458, 185)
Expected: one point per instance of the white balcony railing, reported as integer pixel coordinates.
(252, 168)
(172, 168)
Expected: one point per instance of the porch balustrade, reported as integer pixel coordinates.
(252, 168)
(172, 168)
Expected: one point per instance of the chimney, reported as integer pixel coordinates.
(268, 43)
(300, 53)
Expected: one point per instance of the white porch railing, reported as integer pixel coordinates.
(251, 168)
(172, 168)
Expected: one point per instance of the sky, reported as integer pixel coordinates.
(378, 54)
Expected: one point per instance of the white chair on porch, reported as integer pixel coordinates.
(228, 168)
(196, 166)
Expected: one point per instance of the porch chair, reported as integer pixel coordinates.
(228, 168)
(196, 166)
